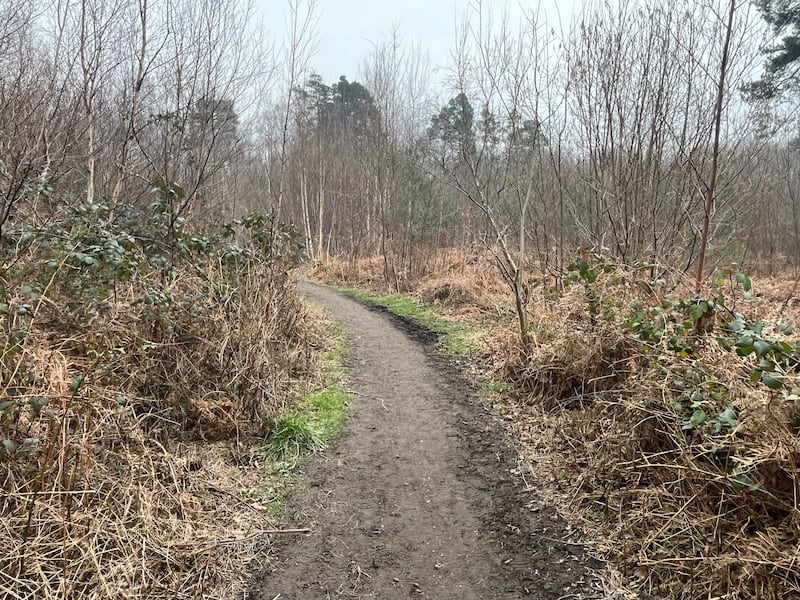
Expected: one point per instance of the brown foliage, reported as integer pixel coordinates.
(112, 489)
(679, 512)
(684, 510)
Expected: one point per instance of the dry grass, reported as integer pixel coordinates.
(462, 284)
(684, 512)
(134, 429)
(707, 511)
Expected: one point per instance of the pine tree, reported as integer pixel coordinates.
(782, 69)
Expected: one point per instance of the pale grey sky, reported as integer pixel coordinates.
(346, 28)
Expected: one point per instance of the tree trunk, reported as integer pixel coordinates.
(712, 183)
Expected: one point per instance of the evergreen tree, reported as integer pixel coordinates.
(452, 130)
(782, 67)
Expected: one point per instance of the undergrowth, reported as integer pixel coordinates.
(678, 411)
(140, 365)
(666, 424)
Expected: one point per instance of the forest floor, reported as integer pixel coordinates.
(418, 497)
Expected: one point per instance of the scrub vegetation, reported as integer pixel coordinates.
(663, 423)
(600, 221)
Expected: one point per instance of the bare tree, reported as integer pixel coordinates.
(301, 41)
(396, 73)
(496, 158)
(36, 112)
(712, 182)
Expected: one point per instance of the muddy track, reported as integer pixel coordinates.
(416, 498)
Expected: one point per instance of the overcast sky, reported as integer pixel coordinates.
(346, 28)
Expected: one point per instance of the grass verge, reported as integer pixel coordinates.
(455, 338)
(317, 418)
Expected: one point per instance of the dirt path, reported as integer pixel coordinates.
(415, 499)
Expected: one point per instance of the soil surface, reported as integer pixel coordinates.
(416, 498)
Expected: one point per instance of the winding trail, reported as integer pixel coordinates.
(416, 497)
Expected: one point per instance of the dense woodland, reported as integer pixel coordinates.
(165, 164)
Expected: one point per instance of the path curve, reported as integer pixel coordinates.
(416, 497)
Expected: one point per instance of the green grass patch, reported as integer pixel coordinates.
(294, 436)
(329, 411)
(455, 338)
(318, 418)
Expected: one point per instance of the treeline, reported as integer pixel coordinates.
(534, 141)
(599, 137)
(101, 99)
